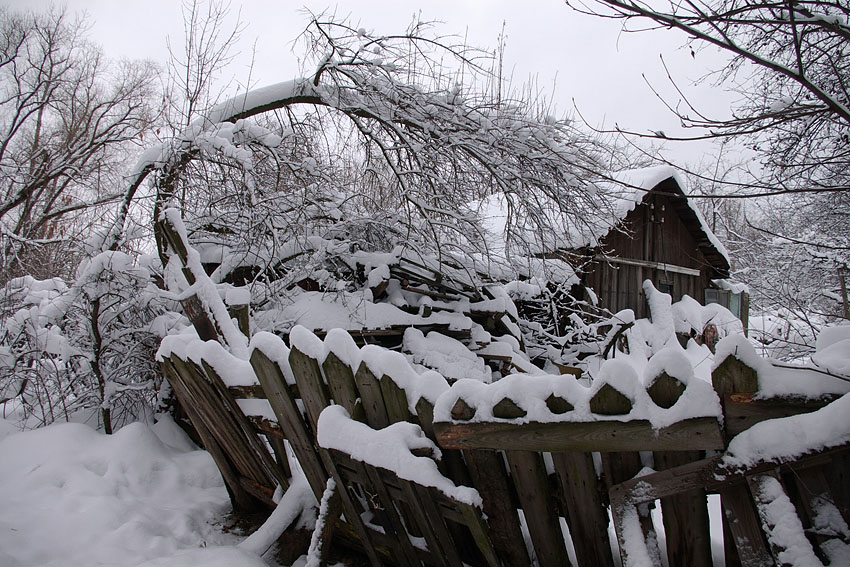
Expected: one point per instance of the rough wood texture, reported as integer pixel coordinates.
(352, 509)
(618, 468)
(311, 384)
(608, 401)
(489, 477)
(462, 411)
(734, 377)
(665, 390)
(507, 409)
(778, 543)
(532, 485)
(742, 411)
(731, 378)
(274, 473)
(372, 397)
(240, 498)
(586, 513)
(341, 384)
(558, 405)
(637, 435)
(291, 421)
(395, 400)
(220, 421)
(685, 517)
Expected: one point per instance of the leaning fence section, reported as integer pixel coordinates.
(523, 471)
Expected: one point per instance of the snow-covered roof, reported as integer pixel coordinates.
(635, 184)
(615, 200)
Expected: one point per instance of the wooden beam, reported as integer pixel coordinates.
(742, 411)
(637, 435)
(648, 264)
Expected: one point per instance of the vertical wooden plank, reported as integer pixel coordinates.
(391, 521)
(586, 513)
(480, 533)
(745, 527)
(291, 420)
(280, 454)
(240, 498)
(373, 400)
(620, 467)
(685, 517)
(274, 474)
(395, 400)
(439, 542)
(341, 385)
(451, 465)
(489, 477)
(311, 384)
(532, 485)
(733, 377)
(351, 508)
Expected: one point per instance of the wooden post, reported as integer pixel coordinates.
(739, 515)
(491, 480)
(621, 466)
(291, 421)
(586, 513)
(685, 515)
(532, 485)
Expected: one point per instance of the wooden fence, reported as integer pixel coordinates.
(555, 481)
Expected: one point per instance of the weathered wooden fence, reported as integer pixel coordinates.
(554, 479)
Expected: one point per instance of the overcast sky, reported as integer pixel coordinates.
(577, 59)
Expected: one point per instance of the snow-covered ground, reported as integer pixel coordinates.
(145, 496)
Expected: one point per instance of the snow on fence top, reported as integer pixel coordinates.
(522, 398)
(776, 379)
(390, 448)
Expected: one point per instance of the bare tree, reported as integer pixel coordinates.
(66, 117)
(788, 63)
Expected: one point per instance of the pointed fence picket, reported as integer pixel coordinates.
(534, 478)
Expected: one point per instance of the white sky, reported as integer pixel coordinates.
(574, 57)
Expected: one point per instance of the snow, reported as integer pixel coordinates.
(389, 448)
(446, 355)
(353, 311)
(783, 440)
(834, 358)
(72, 496)
(782, 380)
(530, 392)
(297, 499)
(831, 335)
(784, 529)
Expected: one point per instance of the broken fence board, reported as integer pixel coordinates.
(532, 485)
(240, 497)
(291, 420)
(372, 397)
(685, 516)
(586, 513)
(489, 477)
(341, 385)
(274, 472)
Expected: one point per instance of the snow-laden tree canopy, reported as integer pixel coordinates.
(390, 140)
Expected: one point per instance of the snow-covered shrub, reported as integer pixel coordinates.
(83, 351)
